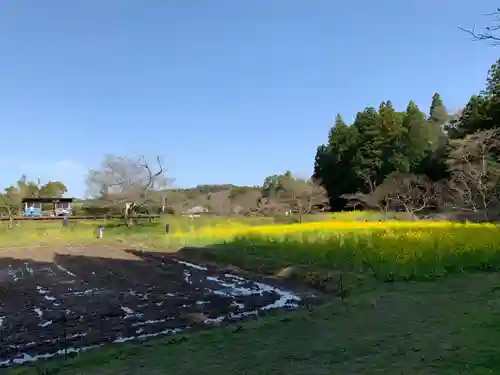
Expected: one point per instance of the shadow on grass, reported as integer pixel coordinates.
(271, 262)
(137, 224)
(336, 265)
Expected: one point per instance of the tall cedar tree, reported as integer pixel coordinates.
(420, 135)
(334, 162)
(391, 141)
(368, 159)
(438, 118)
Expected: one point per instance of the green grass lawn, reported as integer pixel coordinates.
(447, 327)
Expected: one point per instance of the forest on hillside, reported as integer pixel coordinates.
(407, 160)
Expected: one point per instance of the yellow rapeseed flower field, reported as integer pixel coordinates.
(389, 250)
(385, 249)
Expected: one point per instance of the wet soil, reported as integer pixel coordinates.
(54, 302)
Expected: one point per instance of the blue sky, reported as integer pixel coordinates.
(226, 91)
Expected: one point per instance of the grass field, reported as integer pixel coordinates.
(410, 325)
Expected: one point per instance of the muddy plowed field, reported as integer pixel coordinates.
(62, 301)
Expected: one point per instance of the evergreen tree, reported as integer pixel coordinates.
(492, 94)
(333, 162)
(360, 157)
(438, 113)
(420, 136)
(368, 160)
(475, 117)
(482, 112)
(391, 141)
(493, 81)
(438, 118)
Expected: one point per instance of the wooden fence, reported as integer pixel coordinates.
(94, 217)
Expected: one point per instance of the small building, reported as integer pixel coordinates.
(61, 206)
(195, 211)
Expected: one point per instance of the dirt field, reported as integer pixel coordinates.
(54, 302)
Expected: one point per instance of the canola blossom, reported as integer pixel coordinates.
(388, 250)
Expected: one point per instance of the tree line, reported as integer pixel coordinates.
(407, 160)
(12, 196)
(136, 184)
(123, 185)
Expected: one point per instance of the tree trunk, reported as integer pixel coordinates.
(129, 208)
(126, 216)
(11, 218)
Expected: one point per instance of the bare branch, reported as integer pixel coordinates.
(126, 181)
(292, 195)
(489, 33)
(475, 171)
(398, 191)
(413, 193)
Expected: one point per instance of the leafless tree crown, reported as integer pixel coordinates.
(475, 168)
(125, 179)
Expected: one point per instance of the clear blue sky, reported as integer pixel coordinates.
(227, 91)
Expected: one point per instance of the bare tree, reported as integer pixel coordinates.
(287, 194)
(219, 202)
(271, 206)
(488, 33)
(127, 182)
(244, 200)
(411, 193)
(475, 171)
(301, 196)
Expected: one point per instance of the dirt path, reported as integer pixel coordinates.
(70, 299)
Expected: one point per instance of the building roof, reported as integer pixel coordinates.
(196, 210)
